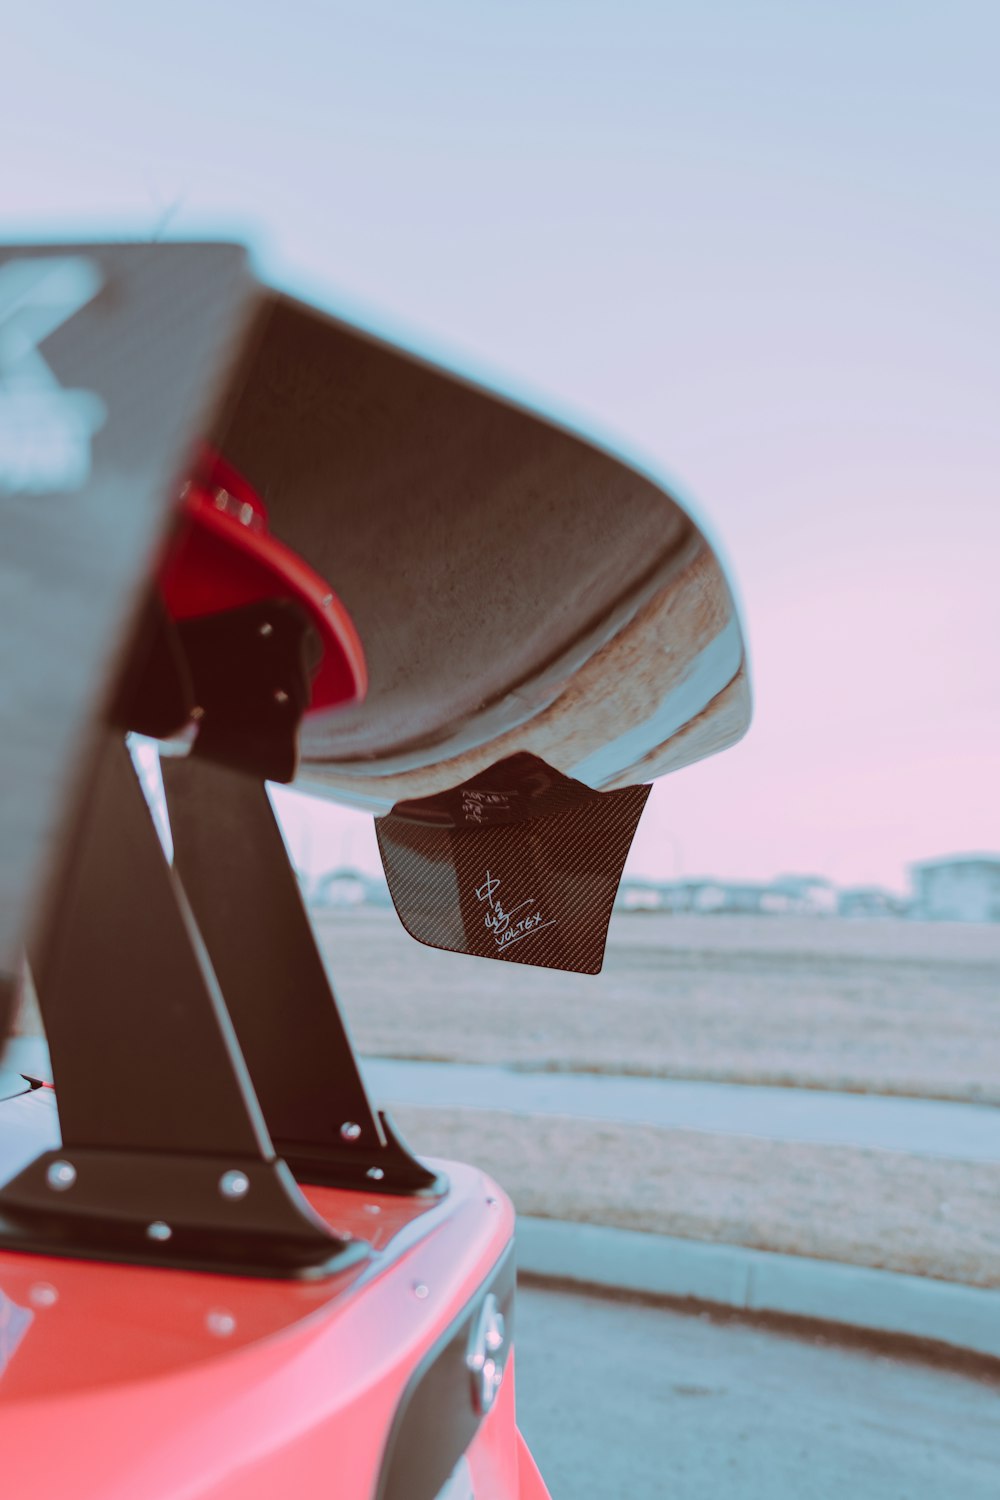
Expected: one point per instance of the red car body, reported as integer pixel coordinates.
(118, 1381)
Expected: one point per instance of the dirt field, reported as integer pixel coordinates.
(870, 1208)
(886, 1007)
(870, 1007)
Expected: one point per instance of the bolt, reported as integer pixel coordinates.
(43, 1294)
(246, 513)
(281, 696)
(495, 1334)
(60, 1176)
(421, 1290)
(221, 499)
(158, 1231)
(266, 629)
(349, 1131)
(375, 1173)
(234, 1184)
(220, 1322)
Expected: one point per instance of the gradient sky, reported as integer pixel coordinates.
(757, 241)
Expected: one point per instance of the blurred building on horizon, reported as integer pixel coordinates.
(957, 888)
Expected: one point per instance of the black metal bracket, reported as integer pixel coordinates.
(251, 672)
(243, 675)
(230, 855)
(238, 1216)
(166, 1157)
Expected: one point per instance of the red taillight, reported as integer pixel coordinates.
(224, 557)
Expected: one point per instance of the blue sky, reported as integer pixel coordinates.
(759, 242)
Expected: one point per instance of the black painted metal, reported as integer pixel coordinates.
(153, 1208)
(437, 1416)
(252, 671)
(244, 893)
(126, 993)
(155, 1101)
(155, 693)
(148, 348)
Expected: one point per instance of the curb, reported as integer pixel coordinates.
(760, 1281)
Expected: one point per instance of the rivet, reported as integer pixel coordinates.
(327, 600)
(492, 1202)
(375, 1173)
(246, 513)
(372, 1208)
(158, 1231)
(350, 1131)
(221, 499)
(421, 1290)
(266, 629)
(281, 696)
(43, 1294)
(60, 1176)
(197, 713)
(220, 1322)
(234, 1184)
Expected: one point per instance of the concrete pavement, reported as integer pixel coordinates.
(620, 1401)
(916, 1308)
(928, 1127)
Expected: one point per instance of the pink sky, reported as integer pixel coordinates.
(759, 243)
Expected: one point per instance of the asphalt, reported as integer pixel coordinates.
(619, 1399)
(928, 1127)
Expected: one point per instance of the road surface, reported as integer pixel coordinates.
(618, 1399)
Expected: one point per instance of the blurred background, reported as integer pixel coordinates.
(753, 245)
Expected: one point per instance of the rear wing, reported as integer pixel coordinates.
(539, 628)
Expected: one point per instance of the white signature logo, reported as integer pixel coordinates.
(475, 805)
(45, 430)
(506, 931)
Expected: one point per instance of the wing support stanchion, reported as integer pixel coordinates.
(166, 1157)
(245, 897)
